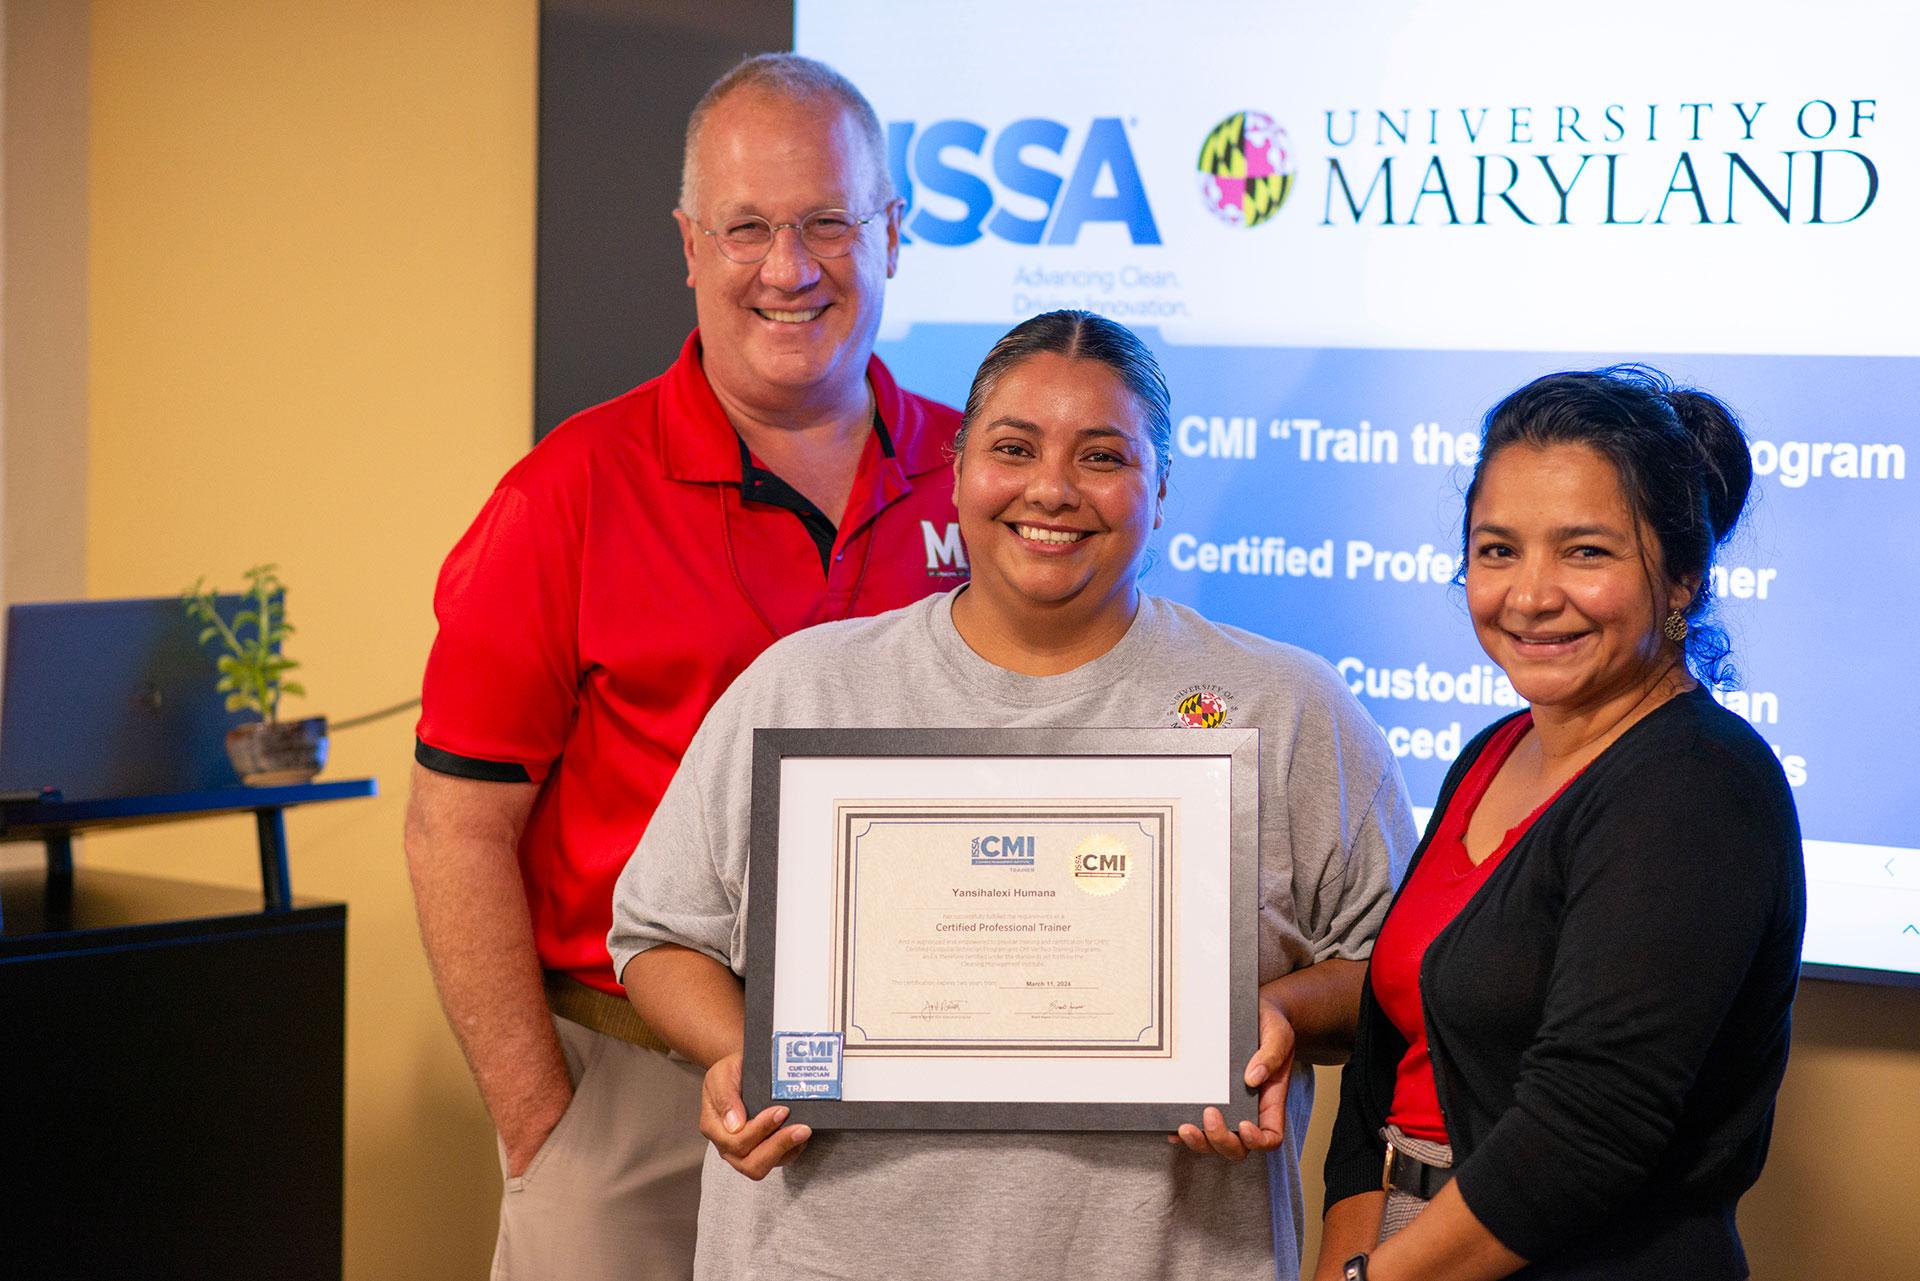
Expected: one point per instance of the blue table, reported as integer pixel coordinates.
(55, 821)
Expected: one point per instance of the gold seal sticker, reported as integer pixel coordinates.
(1101, 865)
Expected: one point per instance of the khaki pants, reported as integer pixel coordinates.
(615, 1190)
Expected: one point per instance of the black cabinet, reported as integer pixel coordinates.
(171, 1080)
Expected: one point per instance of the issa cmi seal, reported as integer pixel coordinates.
(806, 1065)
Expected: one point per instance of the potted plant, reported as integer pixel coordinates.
(268, 752)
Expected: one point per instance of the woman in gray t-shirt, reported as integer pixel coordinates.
(1059, 478)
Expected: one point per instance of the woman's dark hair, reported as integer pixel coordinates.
(1683, 466)
(1080, 335)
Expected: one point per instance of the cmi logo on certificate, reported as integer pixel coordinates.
(806, 1065)
(1100, 865)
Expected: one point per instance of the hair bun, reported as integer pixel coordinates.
(1723, 451)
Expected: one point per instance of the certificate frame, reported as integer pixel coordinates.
(1215, 943)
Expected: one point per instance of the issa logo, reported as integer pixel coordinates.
(1246, 169)
(1074, 182)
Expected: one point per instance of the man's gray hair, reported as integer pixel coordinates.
(800, 80)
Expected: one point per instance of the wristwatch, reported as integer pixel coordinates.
(1354, 1269)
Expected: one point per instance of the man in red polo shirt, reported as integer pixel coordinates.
(619, 578)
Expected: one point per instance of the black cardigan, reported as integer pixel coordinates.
(1609, 1013)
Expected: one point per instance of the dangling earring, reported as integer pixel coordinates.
(1675, 627)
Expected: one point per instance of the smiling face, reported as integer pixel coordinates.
(1562, 584)
(791, 331)
(1058, 491)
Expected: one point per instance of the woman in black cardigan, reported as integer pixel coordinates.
(1576, 1015)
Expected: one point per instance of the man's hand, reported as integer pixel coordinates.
(1269, 1071)
(531, 1128)
(753, 1147)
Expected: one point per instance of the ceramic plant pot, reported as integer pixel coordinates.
(274, 754)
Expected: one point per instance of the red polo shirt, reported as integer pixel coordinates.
(616, 582)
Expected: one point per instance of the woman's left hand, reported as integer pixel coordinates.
(1269, 1070)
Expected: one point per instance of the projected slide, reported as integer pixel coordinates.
(1348, 230)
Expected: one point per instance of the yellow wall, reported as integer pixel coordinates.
(311, 318)
(311, 343)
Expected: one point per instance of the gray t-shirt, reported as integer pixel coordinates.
(1335, 829)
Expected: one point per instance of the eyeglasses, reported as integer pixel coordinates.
(827, 233)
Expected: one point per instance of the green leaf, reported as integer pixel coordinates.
(251, 671)
(294, 687)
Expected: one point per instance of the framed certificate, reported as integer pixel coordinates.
(1002, 929)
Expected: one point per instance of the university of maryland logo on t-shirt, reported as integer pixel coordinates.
(1203, 707)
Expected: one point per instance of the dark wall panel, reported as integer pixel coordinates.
(617, 79)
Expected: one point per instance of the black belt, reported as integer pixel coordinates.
(1412, 1175)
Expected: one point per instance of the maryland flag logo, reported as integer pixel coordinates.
(1201, 709)
(1246, 169)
